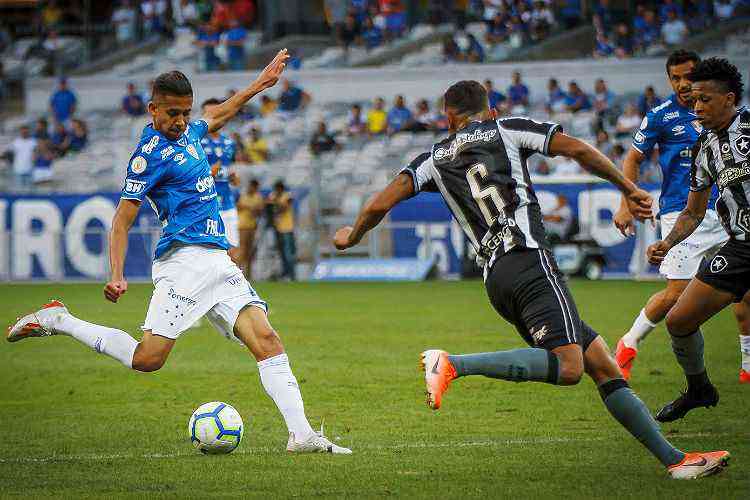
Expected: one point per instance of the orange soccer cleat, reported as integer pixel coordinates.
(36, 324)
(744, 377)
(697, 465)
(438, 374)
(625, 356)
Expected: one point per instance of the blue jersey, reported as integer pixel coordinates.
(175, 178)
(221, 150)
(675, 128)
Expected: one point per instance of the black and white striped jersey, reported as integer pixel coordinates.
(481, 173)
(723, 158)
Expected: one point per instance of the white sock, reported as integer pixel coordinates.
(279, 382)
(110, 341)
(640, 329)
(745, 350)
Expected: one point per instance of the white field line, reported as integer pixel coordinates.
(275, 450)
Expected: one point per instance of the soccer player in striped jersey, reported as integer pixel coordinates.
(481, 172)
(674, 127)
(721, 157)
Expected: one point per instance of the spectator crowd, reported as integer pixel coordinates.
(655, 26)
(53, 136)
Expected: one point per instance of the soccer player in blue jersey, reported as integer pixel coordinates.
(220, 151)
(192, 273)
(674, 127)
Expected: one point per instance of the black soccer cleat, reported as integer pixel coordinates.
(686, 402)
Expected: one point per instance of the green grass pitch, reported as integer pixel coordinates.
(76, 424)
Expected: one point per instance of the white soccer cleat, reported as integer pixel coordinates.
(697, 465)
(38, 324)
(316, 443)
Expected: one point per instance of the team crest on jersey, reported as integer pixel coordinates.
(138, 165)
(718, 264)
(742, 145)
(697, 126)
(191, 149)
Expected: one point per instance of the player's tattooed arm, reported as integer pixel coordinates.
(687, 222)
(218, 116)
(401, 188)
(595, 162)
(127, 211)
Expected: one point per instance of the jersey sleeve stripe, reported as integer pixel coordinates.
(552, 131)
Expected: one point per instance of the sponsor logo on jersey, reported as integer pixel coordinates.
(726, 152)
(204, 184)
(639, 138)
(539, 334)
(138, 165)
(743, 219)
(133, 187)
(733, 175)
(148, 148)
(671, 116)
(180, 298)
(179, 158)
(742, 145)
(678, 130)
(167, 152)
(462, 139)
(718, 264)
(193, 152)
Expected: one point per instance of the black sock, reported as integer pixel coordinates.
(698, 383)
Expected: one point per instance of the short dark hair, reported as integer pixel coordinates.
(254, 182)
(466, 97)
(681, 56)
(719, 70)
(171, 83)
(211, 102)
(279, 184)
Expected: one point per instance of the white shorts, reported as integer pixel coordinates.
(192, 281)
(683, 260)
(231, 226)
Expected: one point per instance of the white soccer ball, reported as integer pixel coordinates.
(215, 428)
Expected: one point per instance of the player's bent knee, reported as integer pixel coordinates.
(148, 363)
(570, 373)
(678, 325)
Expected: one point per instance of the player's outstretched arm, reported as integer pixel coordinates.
(218, 116)
(401, 188)
(631, 166)
(593, 161)
(687, 222)
(127, 211)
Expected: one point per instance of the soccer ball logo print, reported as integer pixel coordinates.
(742, 145)
(718, 264)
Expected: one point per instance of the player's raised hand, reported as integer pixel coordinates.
(341, 238)
(624, 222)
(657, 251)
(115, 289)
(639, 204)
(271, 73)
